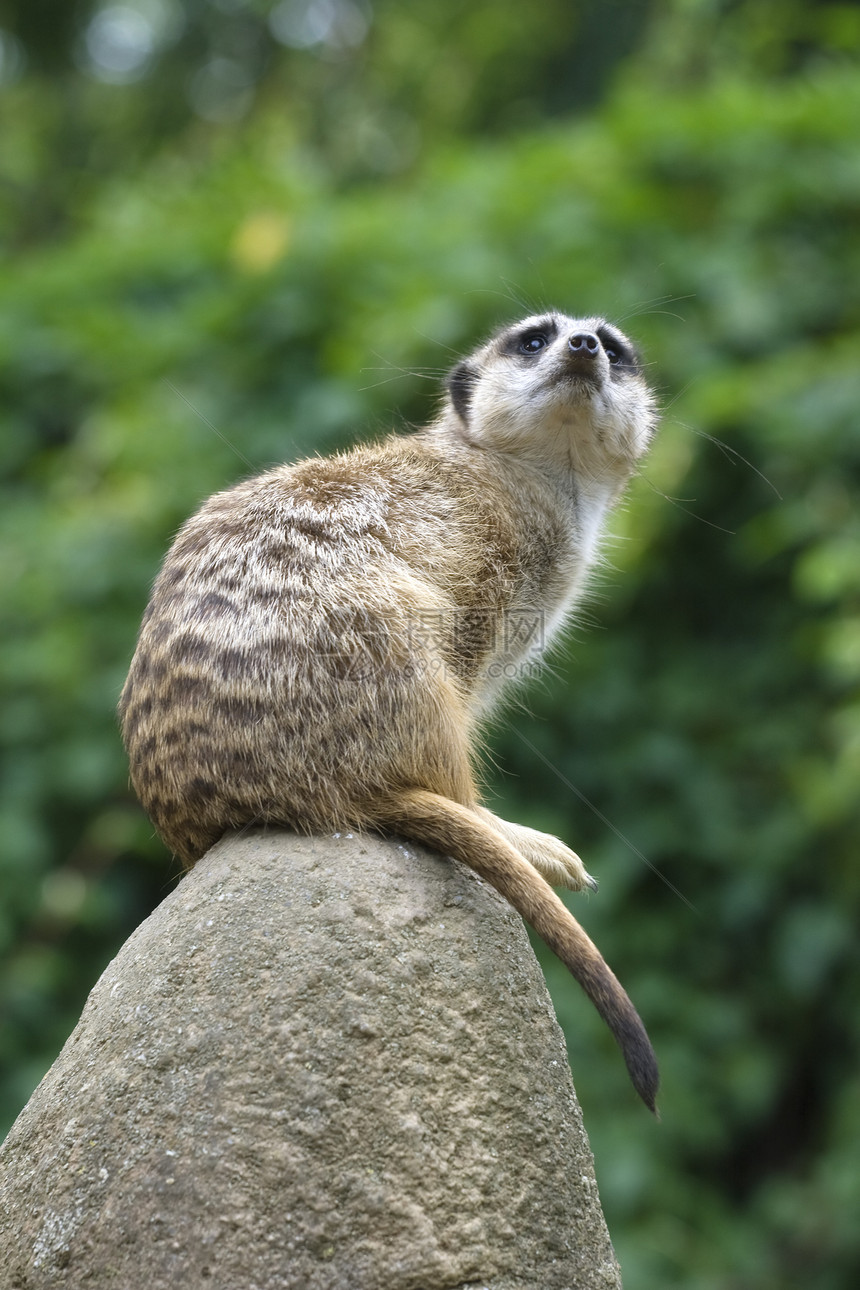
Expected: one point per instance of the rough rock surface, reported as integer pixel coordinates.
(321, 1064)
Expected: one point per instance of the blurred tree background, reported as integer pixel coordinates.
(237, 231)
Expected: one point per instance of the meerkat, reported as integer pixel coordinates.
(324, 640)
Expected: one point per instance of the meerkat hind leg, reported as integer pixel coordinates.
(553, 860)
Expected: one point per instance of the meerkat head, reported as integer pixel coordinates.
(553, 387)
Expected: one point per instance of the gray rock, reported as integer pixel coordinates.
(321, 1064)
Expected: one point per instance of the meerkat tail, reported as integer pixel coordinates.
(454, 830)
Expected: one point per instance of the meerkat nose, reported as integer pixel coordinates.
(584, 343)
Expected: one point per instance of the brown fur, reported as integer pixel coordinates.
(323, 641)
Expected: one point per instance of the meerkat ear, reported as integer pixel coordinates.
(461, 382)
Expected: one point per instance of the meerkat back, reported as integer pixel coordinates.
(323, 640)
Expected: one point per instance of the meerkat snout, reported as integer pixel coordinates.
(324, 640)
(584, 345)
(585, 358)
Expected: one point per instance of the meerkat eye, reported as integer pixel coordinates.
(619, 353)
(533, 342)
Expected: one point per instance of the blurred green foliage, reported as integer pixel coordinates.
(202, 286)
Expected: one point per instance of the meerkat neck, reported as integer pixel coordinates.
(582, 498)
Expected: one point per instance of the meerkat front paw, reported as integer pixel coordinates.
(553, 860)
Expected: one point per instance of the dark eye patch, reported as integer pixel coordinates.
(619, 351)
(528, 342)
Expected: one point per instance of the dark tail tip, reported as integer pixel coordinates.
(614, 1006)
(642, 1066)
(639, 1057)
